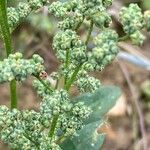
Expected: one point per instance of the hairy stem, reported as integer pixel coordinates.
(8, 47)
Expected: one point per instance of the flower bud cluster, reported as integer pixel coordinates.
(69, 42)
(69, 123)
(40, 88)
(55, 104)
(26, 129)
(16, 15)
(95, 10)
(69, 12)
(101, 20)
(58, 9)
(71, 116)
(15, 67)
(71, 22)
(72, 51)
(132, 20)
(105, 49)
(74, 12)
(23, 130)
(147, 19)
(87, 83)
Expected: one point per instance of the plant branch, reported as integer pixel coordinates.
(73, 77)
(13, 89)
(71, 80)
(43, 83)
(53, 126)
(8, 47)
(137, 104)
(77, 69)
(5, 28)
(67, 63)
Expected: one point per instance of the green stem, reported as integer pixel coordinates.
(5, 28)
(89, 32)
(53, 126)
(8, 47)
(73, 77)
(47, 86)
(13, 89)
(67, 62)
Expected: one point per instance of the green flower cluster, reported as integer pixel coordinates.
(74, 12)
(87, 83)
(40, 88)
(59, 104)
(132, 20)
(72, 51)
(147, 20)
(28, 129)
(104, 52)
(24, 130)
(69, 42)
(16, 15)
(15, 67)
(71, 122)
(55, 104)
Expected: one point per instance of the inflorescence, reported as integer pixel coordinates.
(18, 14)
(132, 20)
(15, 67)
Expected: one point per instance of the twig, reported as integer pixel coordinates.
(8, 46)
(137, 104)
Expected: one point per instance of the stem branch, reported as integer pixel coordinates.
(43, 83)
(8, 47)
(53, 126)
(73, 77)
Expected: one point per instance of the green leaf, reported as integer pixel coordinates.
(68, 145)
(88, 138)
(100, 102)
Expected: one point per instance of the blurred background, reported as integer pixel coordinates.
(128, 123)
